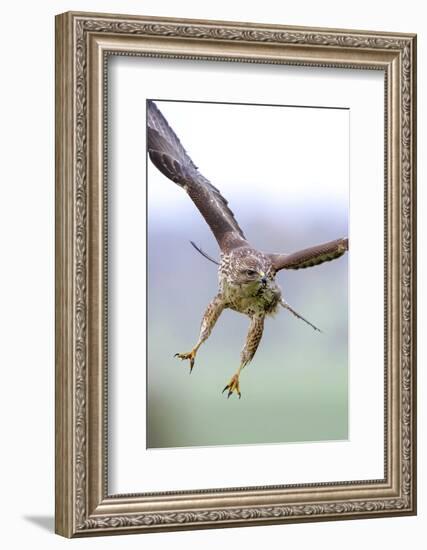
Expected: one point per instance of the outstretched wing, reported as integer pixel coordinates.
(169, 156)
(310, 257)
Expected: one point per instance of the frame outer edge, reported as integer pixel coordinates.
(64, 275)
(414, 259)
(233, 24)
(413, 229)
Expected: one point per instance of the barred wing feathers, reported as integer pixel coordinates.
(169, 156)
(310, 257)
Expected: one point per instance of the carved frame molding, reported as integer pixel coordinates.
(83, 42)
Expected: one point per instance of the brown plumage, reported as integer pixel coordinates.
(246, 276)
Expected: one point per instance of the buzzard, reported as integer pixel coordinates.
(247, 281)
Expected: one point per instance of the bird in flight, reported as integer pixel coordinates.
(247, 281)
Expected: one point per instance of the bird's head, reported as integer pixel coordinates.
(253, 271)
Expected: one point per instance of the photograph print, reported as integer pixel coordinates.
(247, 273)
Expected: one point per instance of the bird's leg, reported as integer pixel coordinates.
(213, 311)
(251, 345)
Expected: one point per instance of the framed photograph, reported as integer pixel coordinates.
(235, 274)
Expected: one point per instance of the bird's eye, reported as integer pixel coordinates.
(250, 272)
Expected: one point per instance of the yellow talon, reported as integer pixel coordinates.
(191, 355)
(233, 386)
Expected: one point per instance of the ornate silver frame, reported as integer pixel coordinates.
(83, 505)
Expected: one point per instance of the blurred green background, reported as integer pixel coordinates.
(296, 387)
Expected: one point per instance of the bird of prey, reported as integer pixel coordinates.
(246, 275)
